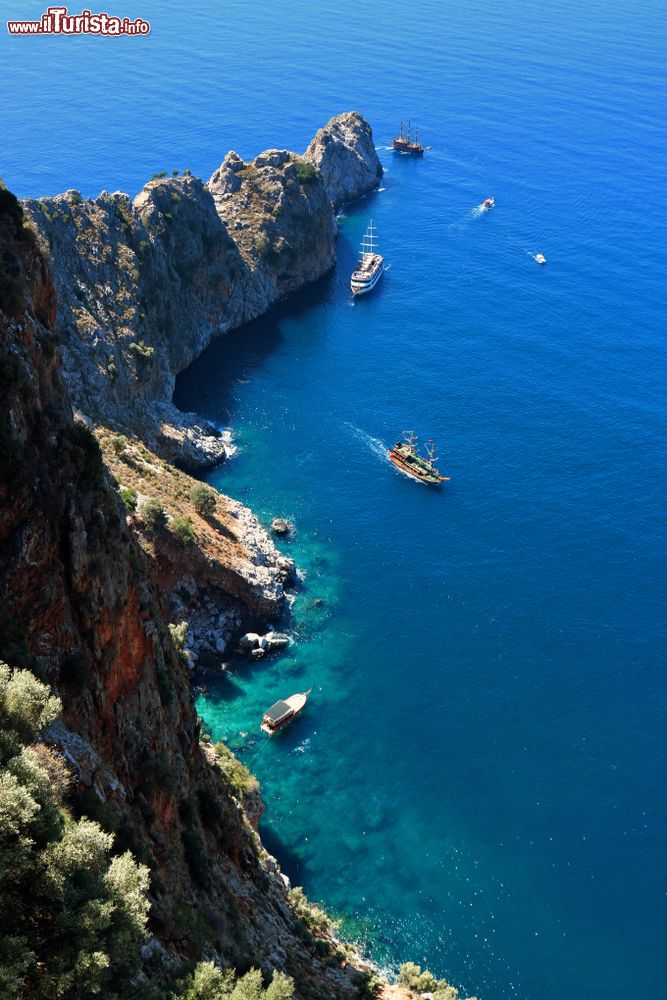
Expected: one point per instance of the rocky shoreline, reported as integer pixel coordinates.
(145, 285)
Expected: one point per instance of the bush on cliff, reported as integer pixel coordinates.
(306, 172)
(86, 456)
(128, 495)
(239, 778)
(208, 982)
(411, 976)
(313, 916)
(71, 916)
(182, 528)
(179, 634)
(203, 499)
(152, 514)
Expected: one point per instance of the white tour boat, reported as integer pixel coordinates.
(370, 267)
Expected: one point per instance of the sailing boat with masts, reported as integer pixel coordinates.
(370, 267)
(405, 457)
(404, 143)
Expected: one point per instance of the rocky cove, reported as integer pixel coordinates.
(143, 286)
(107, 549)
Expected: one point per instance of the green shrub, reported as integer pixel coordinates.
(157, 177)
(306, 172)
(179, 634)
(118, 443)
(87, 456)
(182, 528)
(314, 917)
(128, 495)
(237, 775)
(203, 499)
(411, 976)
(141, 350)
(152, 514)
(71, 916)
(208, 982)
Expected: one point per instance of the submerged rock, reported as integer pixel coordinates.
(280, 526)
(256, 645)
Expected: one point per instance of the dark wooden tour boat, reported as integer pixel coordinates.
(405, 457)
(404, 143)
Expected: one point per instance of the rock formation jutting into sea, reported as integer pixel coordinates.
(144, 285)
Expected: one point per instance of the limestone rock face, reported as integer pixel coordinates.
(144, 286)
(344, 153)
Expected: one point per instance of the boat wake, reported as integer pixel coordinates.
(479, 210)
(375, 445)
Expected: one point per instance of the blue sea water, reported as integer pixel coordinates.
(478, 781)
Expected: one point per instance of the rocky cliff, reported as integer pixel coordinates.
(344, 153)
(144, 285)
(81, 608)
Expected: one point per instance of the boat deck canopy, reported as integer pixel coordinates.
(277, 712)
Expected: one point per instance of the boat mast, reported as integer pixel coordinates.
(410, 439)
(417, 136)
(369, 242)
(401, 132)
(410, 130)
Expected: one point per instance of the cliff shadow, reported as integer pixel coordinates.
(290, 861)
(206, 386)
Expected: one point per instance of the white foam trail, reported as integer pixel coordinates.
(381, 189)
(375, 445)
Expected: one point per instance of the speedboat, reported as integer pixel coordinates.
(489, 203)
(540, 258)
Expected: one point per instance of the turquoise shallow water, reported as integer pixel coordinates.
(478, 780)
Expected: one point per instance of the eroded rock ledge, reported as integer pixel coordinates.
(144, 285)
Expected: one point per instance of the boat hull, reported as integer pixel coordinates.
(403, 146)
(415, 473)
(297, 703)
(364, 287)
